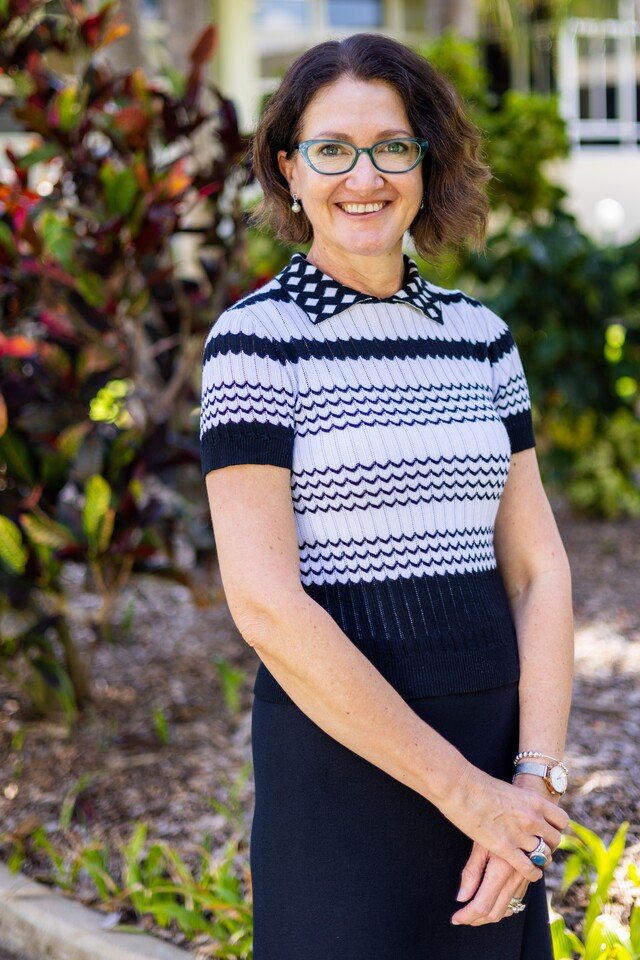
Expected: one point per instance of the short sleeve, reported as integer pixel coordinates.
(248, 396)
(510, 391)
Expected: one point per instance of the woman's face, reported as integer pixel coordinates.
(361, 112)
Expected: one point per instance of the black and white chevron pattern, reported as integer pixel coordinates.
(397, 419)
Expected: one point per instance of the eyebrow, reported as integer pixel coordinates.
(340, 135)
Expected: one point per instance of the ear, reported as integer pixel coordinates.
(286, 165)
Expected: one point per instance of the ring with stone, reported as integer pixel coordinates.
(516, 905)
(541, 856)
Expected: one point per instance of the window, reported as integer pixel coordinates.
(283, 14)
(600, 81)
(355, 13)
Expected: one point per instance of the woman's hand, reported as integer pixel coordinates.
(488, 884)
(506, 819)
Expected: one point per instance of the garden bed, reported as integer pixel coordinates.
(161, 743)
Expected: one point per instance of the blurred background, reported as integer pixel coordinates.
(125, 196)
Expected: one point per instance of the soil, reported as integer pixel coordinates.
(160, 743)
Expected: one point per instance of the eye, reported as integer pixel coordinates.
(330, 149)
(396, 147)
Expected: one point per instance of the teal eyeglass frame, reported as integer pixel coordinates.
(303, 149)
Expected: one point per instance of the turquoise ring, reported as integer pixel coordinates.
(541, 856)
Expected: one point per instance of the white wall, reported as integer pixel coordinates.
(597, 174)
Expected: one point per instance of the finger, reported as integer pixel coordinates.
(519, 895)
(541, 854)
(551, 837)
(520, 861)
(521, 890)
(489, 904)
(556, 816)
(472, 872)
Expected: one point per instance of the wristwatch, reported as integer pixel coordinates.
(555, 775)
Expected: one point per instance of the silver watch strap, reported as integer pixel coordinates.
(537, 769)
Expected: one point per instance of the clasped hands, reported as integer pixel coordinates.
(505, 822)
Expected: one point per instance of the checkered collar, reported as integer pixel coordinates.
(322, 297)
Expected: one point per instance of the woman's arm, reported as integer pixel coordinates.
(536, 575)
(336, 686)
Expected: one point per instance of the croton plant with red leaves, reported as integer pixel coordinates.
(99, 336)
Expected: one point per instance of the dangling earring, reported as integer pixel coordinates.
(295, 206)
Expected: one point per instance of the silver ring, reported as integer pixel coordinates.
(516, 905)
(541, 856)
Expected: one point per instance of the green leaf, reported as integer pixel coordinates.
(70, 439)
(572, 871)
(13, 552)
(6, 239)
(592, 842)
(634, 929)
(91, 288)
(606, 935)
(69, 108)
(95, 861)
(96, 509)
(608, 859)
(565, 943)
(42, 154)
(231, 682)
(14, 451)
(106, 530)
(59, 238)
(46, 532)
(71, 796)
(121, 189)
(189, 921)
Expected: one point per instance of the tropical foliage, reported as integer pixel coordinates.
(101, 336)
(574, 306)
(603, 935)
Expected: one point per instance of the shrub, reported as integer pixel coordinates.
(101, 337)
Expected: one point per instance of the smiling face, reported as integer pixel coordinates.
(363, 213)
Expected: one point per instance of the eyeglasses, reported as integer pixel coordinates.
(333, 157)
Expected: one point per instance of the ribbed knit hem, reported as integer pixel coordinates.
(520, 429)
(234, 444)
(427, 675)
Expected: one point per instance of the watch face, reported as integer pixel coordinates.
(558, 779)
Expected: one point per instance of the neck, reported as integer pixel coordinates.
(379, 277)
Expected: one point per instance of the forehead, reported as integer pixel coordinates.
(351, 107)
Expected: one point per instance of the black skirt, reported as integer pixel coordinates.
(349, 864)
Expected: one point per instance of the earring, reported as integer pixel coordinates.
(295, 206)
(422, 205)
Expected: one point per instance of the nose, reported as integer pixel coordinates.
(364, 175)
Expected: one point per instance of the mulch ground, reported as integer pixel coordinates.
(118, 766)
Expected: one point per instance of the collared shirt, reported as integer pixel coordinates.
(397, 419)
(321, 297)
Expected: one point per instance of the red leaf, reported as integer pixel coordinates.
(19, 347)
(204, 46)
(209, 188)
(115, 32)
(57, 323)
(134, 122)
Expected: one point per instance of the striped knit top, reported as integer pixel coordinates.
(397, 418)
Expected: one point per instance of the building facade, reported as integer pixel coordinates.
(593, 64)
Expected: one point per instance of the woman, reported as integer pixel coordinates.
(384, 541)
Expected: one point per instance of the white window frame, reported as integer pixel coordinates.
(575, 72)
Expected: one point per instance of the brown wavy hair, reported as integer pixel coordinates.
(454, 176)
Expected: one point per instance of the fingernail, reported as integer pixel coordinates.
(455, 923)
(462, 894)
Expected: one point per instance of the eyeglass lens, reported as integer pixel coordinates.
(389, 156)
